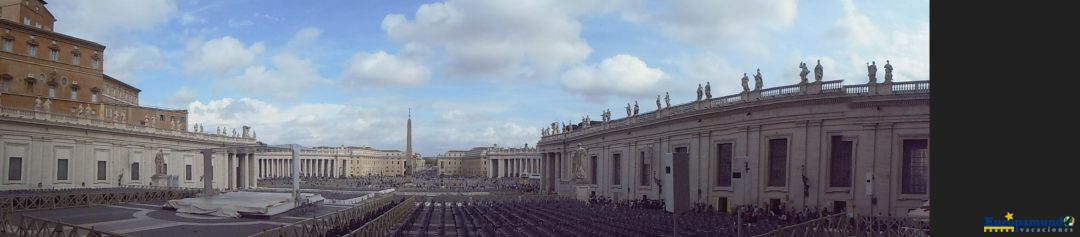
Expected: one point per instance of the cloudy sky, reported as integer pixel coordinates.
(474, 72)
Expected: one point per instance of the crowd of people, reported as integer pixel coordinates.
(423, 181)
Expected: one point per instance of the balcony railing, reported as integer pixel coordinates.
(911, 87)
(834, 87)
(857, 89)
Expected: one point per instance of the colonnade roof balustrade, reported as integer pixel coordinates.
(84, 122)
(810, 90)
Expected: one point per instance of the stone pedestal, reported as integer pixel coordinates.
(160, 180)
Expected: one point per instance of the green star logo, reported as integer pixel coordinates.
(1069, 221)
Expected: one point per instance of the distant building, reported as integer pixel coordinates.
(491, 162)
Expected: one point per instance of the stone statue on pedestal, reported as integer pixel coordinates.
(579, 163)
(699, 92)
(745, 83)
(871, 70)
(888, 75)
(667, 99)
(37, 103)
(658, 102)
(635, 108)
(708, 91)
(803, 73)
(627, 109)
(48, 105)
(757, 80)
(159, 165)
(818, 71)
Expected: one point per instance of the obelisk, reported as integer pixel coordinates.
(408, 149)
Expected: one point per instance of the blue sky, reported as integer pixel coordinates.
(474, 72)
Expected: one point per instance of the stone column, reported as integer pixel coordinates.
(253, 180)
(230, 173)
(244, 170)
(208, 172)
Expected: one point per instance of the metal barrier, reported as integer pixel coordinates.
(319, 226)
(33, 226)
(79, 197)
(842, 225)
(382, 225)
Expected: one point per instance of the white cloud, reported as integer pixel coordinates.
(314, 124)
(381, 68)
(287, 77)
(97, 20)
(122, 63)
(708, 67)
(907, 49)
(621, 75)
(221, 55)
(494, 38)
(856, 27)
(727, 23)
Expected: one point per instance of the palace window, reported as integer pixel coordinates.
(26, 20)
(93, 97)
(723, 164)
(616, 166)
(8, 45)
(135, 171)
(102, 168)
(31, 50)
(62, 169)
(840, 162)
(187, 172)
(52, 91)
(75, 59)
(74, 94)
(95, 63)
(14, 168)
(5, 84)
(916, 173)
(778, 162)
(54, 55)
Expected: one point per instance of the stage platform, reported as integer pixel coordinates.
(236, 204)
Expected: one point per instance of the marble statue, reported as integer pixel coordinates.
(667, 99)
(803, 73)
(234, 132)
(253, 135)
(627, 109)
(757, 80)
(159, 164)
(871, 70)
(708, 91)
(745, 83)
(218, 130)
(579, 163)
(635, 108)
(48, 105)
(658, 102)
(699, 92)
(888, 75)
(37, 103)
(818, 71)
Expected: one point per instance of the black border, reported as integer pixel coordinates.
(1003, 114)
